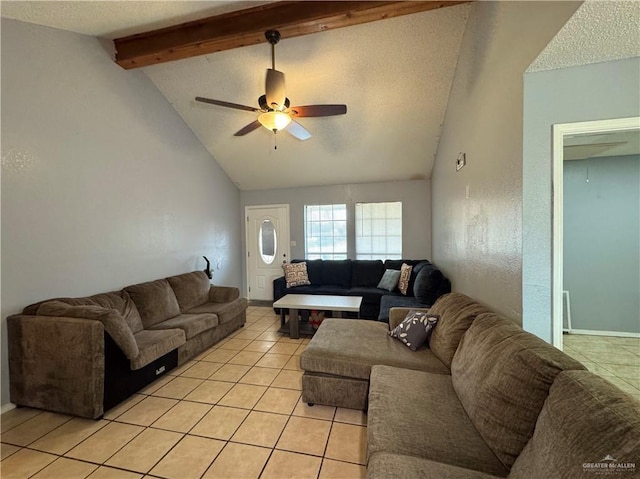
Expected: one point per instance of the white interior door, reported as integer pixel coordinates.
(268, 247)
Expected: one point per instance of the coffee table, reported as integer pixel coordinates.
(306, 302)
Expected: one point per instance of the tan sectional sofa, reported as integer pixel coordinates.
(83, 356)
(506, 404)
(337, 363)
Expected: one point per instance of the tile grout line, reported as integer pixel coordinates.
(211, 406)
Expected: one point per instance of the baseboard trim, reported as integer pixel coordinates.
(7, 407)
(603, 333)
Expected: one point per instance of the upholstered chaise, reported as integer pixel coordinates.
(337, 363)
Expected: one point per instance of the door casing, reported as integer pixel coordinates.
(283, 244)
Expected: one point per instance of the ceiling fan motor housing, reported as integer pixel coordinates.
(272, 36)
(262, 101)
(273, 113)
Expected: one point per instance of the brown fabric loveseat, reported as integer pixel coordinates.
(82, 356)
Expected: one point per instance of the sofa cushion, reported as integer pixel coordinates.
(112, 320)
(336, 272)
(397, 263)
(224, 311)
(457, 311)
(584, 419)
(389, 301)
(295, 274)
(426, 287)
(366, 273)
(418, 414)
(416, 266)
(414, 330)
(318, 289)
(155, 344)
(118, 300)
(502, 375)
(191, 324)
(384, 465)
(155, 301)
(415, 269)
(191, 289)
(389, 280)
(350, 348)
(314, 269)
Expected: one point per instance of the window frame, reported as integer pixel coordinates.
(370, 237)
(316, 226)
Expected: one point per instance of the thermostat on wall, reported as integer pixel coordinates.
(461, 161)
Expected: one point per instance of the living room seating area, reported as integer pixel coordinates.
(484, 399)
(242, 398)
(426, 284)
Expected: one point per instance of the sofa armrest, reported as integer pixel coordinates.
(396, 315)
(57, 363)
(223, 294)
(279, 288)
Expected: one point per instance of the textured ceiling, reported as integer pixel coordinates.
(113, 19)
(394, 76)
(599, 31)
(597, 145)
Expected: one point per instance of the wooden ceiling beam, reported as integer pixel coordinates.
(247, 27)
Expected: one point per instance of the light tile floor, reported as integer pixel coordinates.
(614, 358)
(233, 412)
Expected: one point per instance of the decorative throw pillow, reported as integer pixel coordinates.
(389, 280)
(405, 276)
(414, 330)
(295, 274)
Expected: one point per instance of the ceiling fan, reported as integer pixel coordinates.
(275, 112)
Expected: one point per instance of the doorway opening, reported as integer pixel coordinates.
(571, 141)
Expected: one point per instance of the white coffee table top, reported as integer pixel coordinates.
(319, 301)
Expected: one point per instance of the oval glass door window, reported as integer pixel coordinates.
(267, 241)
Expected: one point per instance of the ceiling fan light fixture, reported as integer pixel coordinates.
(274, 120)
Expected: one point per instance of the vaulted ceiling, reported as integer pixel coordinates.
(394, 76)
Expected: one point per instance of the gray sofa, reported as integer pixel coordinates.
(82, 356)
(486, 400)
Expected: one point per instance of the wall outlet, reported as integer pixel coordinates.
(461, 161)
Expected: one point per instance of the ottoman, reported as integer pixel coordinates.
(337, 362)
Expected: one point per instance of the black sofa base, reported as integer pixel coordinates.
(121, 382)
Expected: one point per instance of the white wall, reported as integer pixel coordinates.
(416, 210)
(591, 92)
(477, 240)
(118, 190)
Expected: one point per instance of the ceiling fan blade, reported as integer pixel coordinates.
(297, 130)
(226, 104)
(248, 129)
(318, 110)
(274, 88)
